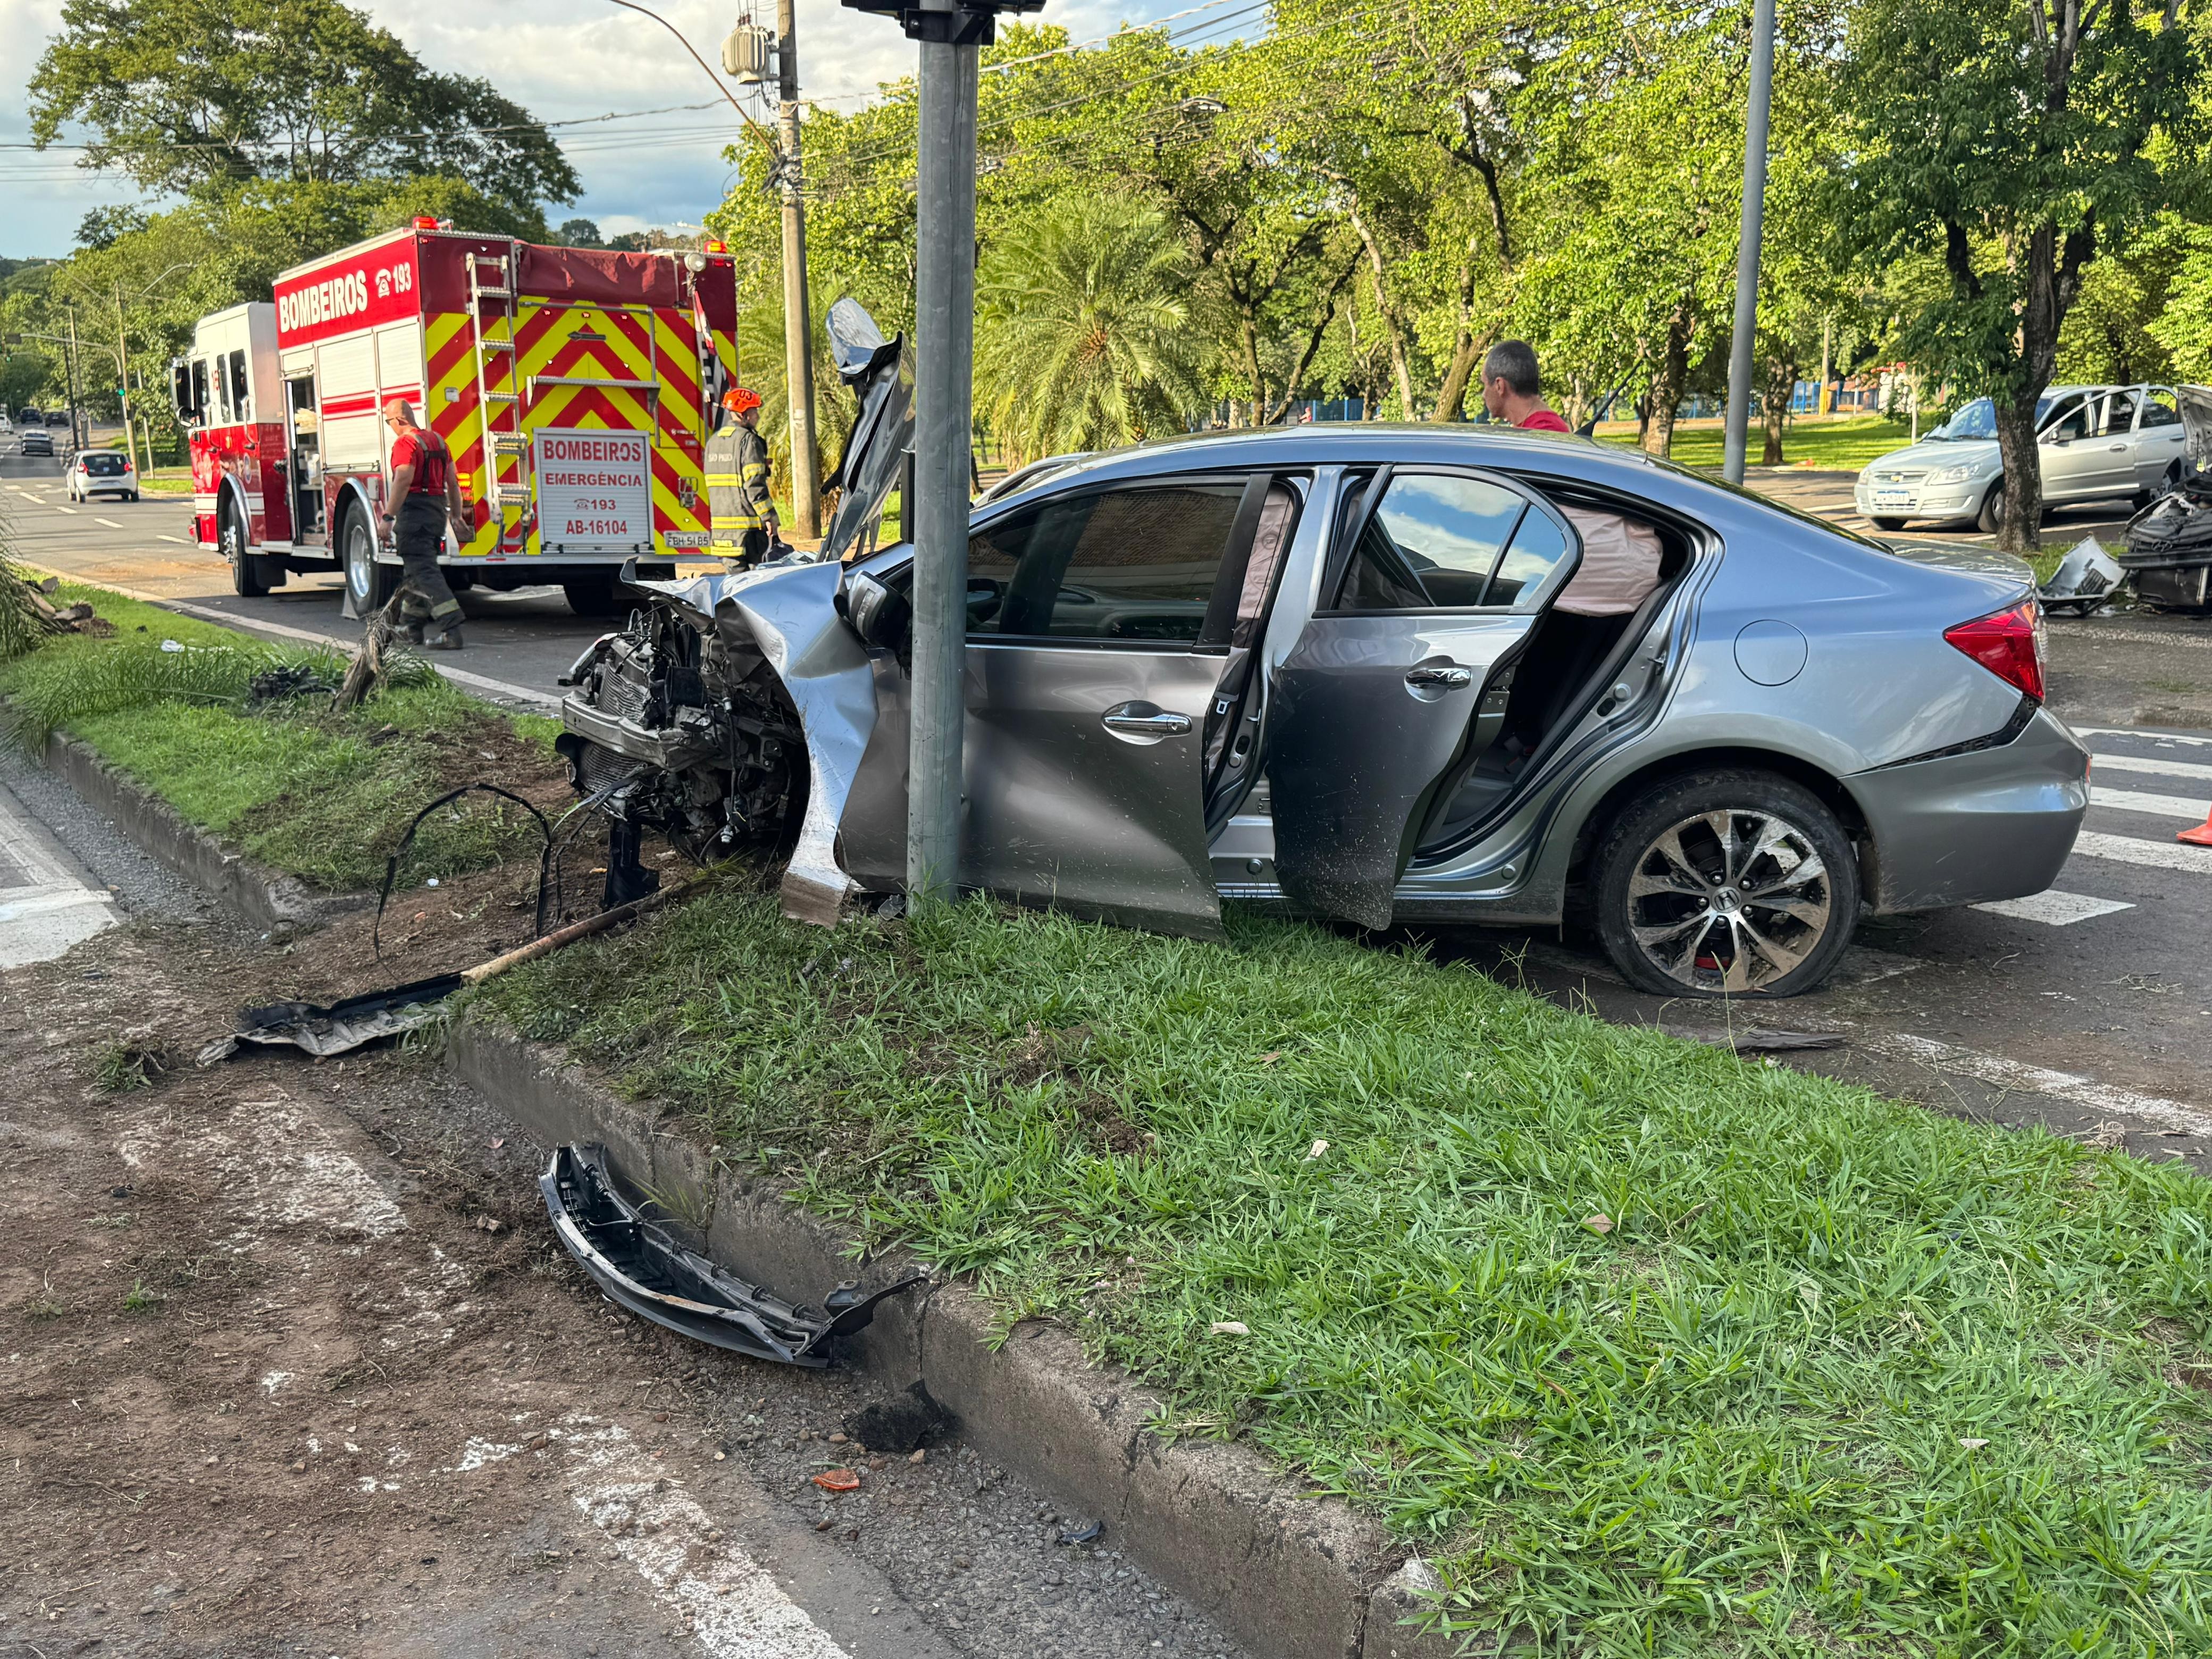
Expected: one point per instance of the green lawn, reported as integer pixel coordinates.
(323, 795)
(1845, 442)
(1841, 1376)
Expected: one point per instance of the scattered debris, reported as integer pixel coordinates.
(1600, 1223)
(641, 1268)
(342, 1026)
(1974, 1446)
(281, 681)
(2088, 579)
(1079, 1532)
(838, 1481)
(1317, 1149)
(1229, 1327)
(1757, 1040)
(905, 1423)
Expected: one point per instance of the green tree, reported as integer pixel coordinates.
(186, 96)
(2020, 140)
(1084, 338)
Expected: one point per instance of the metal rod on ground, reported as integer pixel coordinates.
(945, 323)
(1741, 348)
(797, 312)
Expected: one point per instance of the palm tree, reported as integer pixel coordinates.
(1083, 337)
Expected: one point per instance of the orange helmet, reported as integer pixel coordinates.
(738, 399)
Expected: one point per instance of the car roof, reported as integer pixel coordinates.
(1323, 443)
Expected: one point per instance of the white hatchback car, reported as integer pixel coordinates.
(102, 472)
(2095, 443)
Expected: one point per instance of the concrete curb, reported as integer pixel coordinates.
(269, 899)
(1291, 1574)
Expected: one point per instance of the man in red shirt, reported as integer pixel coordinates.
(1513, 392)
(430, 498)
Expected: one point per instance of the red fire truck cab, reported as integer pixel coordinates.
(576, 387)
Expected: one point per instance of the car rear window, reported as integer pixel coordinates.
(103, 465)
(1118, 564)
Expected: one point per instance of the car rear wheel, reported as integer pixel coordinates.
(1726, 883)
(372, 585)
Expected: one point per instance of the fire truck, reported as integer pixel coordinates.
(576, 388)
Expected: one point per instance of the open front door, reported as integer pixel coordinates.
(1091, 669)
(1397, 675)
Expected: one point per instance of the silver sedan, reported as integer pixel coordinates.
(1384, 675)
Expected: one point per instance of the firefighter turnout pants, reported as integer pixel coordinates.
(737, 493)
(423, 598)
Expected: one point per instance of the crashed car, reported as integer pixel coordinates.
(2167, 552)
(1329, 669)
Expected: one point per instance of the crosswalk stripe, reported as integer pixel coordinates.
(2053, 909)
(2156, 854)
(2148, 737)
(2140, 763)
(2003, 1073)
(2165, 806)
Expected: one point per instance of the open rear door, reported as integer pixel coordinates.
(1442, 577)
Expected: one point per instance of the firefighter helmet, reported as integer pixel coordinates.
(738, 399)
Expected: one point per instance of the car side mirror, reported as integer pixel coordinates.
(877, 612)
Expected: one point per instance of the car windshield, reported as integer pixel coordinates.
(1978, 420)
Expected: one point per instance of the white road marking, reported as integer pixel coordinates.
(733, 1608)
(69, 510)
(179, 540)
(2059, 1086)
(50, 906)
(110, 523)
(2157, 854)
(2165, 806)
(2147, 764)
(2053, 908)
(2148, 737)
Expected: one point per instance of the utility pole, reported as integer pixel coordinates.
(122, 389)
(1748, 243)
(952, 33)
(797, 314)
(78, 433)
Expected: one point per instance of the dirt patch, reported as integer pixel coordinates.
(291, 1364)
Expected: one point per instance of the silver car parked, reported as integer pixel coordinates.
(1328, 669)
(2093, 443)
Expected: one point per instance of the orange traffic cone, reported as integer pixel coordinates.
(2200, 836)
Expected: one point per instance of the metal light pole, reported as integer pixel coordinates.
(797, 312)
(952, 33)
(1747, 246)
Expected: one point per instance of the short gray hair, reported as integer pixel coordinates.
(1513, 361)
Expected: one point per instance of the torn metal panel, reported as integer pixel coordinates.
(641, 1268)
(341, 1027)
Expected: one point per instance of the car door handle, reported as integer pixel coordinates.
(2119, 449)
(1450, 678)
(1144, 722)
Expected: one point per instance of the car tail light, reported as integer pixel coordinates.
(2009, 643)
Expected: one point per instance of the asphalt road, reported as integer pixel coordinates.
(2089, 1010)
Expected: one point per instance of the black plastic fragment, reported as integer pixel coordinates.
(904, 1423)
(642, 1267)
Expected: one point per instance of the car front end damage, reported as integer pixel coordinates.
(730, 715)
(2167, 550)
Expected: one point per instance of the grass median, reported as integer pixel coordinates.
(326, 796)
(1654, 1351)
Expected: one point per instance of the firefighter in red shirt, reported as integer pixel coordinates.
(430, 497)
(1512, 391)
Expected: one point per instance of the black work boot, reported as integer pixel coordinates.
(449, 640)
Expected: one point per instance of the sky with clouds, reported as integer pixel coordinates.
(560, 59)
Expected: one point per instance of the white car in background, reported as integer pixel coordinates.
(2095, 443)
(102, 472)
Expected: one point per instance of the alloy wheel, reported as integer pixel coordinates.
(1732, 900)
